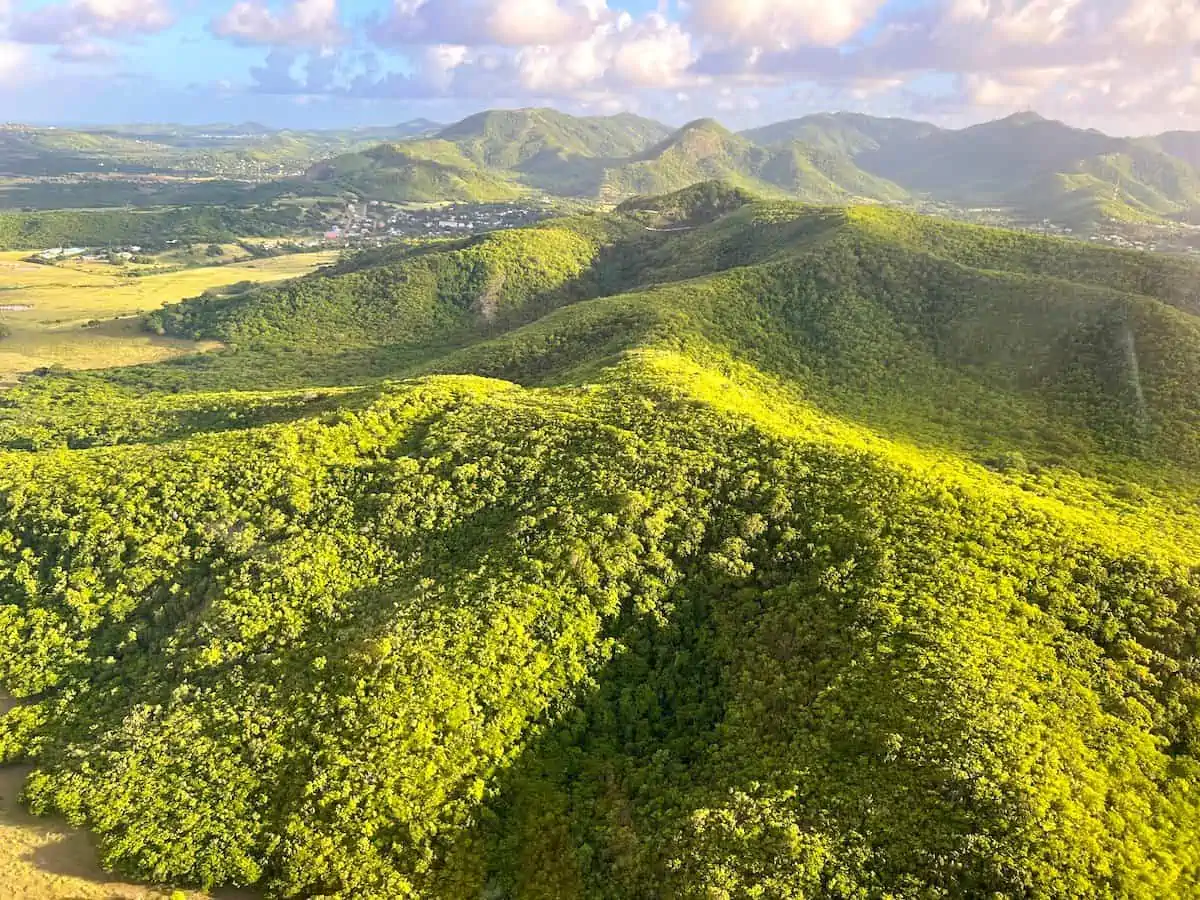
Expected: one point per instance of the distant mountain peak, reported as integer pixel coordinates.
(1028, 117)
(705, 124)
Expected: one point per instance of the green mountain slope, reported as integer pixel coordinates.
(1043, 169)
(1034, 168)
(705, 150)
(700, 151)
(847, 134)
(1184, 145)
(418, 171)
(610, 158)
(713, 547)
(513, 139)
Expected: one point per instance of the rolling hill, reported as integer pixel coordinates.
(1041, 169)
(1029, 166)
(247, 148)
(847, 134)
(513, 139)
(705, 150)
(608, 159)
(419, 171)
(716, 546)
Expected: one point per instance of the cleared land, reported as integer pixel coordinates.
(46, 310)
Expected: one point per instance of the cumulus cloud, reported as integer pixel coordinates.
(623, 53)
(1013, 90)
(1081, 60)
(312, 23)
(1160, 22)
(782, 23)
(618, 54)
(78, 22)
(507, 23)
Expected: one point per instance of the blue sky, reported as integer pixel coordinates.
(1127, 66)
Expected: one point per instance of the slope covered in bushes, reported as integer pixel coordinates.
(414, 172)
(148, 227)
(712, 548)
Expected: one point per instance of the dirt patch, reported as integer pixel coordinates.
(15, 307)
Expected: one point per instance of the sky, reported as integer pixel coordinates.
(1123, 66)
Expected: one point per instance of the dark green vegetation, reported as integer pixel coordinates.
(152, 228)
(779, 551)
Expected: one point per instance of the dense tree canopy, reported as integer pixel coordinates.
(800, 553)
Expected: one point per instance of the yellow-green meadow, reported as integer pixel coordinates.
(46, 310)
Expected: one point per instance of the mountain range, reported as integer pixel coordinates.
(1032, 167)
(711, 546)
(1027, 168)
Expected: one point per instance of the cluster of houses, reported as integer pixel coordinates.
(1126, 243)
(374, 220)
(86, 254)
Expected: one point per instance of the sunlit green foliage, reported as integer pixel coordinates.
(801, 552)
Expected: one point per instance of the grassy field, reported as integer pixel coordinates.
(47, 310)
(44, 859)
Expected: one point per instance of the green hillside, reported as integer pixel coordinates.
(495, 155)
(705, 150)
(512, 139)
(847, 134)
(714, 547)
(419, 171)
(1183, 145)
(246, 149)
(699, 151)
(147, 227)
(1042, 169)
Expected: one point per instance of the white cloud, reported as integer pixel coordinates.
(782, 23)
(80, 21)
(654, 54)
(507, 23)
(515, 23)
(1021, 21)
(1160, 22)
(311, 23)
(13, 62)
(1013, 90)
(650, 53)
(1094, 62)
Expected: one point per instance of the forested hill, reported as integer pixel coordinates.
(1031, 168)
(714, 547)
(150, 227)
